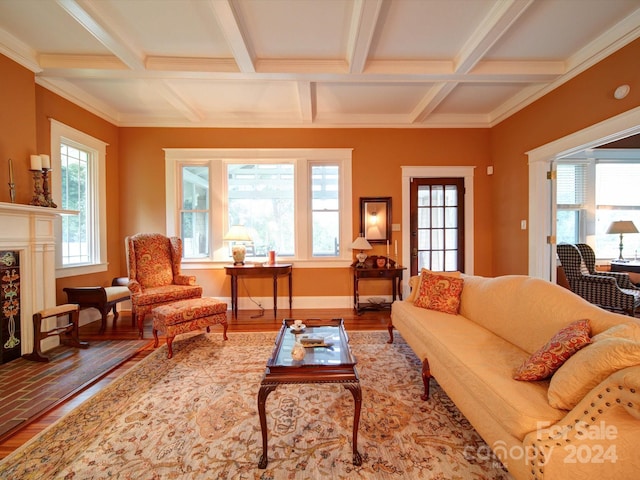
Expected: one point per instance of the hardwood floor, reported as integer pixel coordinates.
(247, 321)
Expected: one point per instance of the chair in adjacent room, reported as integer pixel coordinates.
(610, 290)
(155, 278)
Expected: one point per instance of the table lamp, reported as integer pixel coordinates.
(361, 244)
(621, 227)
(238, 233)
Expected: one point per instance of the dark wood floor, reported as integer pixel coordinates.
(371, 320)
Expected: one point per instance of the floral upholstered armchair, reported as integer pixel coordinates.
(153, 261)
(610, 290)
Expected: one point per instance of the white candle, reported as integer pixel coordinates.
(36, 162)
(396, 248)
(387, 248)
(46, 162)
(10, 171)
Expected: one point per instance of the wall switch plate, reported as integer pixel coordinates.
(395, 227)
(523, 224)
(490, 170)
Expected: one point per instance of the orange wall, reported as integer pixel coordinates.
(581, 102)
(378, 155)
(17, 129)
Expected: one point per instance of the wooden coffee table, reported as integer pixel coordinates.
(320, 365)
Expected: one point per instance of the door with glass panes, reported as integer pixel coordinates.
(437, 224)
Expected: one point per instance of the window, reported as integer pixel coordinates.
(78, 185)
(294, 201)
(591, 194)
(571, 194)
(616, 199)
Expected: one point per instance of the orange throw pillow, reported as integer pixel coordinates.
(555, 352)
(439, 292)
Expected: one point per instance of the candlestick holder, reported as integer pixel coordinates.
(12, 192)
(45, 189)
(38, 199)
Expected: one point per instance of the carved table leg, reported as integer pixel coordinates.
(355, 390)
(264, 392)
(390, 328)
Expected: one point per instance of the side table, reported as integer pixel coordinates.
(274, 271)
(392, 274)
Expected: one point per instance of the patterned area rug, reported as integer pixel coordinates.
(195, 417)
(27, 388)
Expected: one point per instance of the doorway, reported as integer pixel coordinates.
(542, 209)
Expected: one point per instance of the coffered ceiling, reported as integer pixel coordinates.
(311, 63)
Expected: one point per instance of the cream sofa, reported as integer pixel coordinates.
(473, 356)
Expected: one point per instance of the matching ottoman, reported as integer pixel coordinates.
(188, 315)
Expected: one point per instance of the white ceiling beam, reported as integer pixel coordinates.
(364, 21)
(87, 15)
(306, 70)
(233, 31)
(496, 24)
(307, 99)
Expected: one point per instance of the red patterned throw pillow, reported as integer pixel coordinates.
(555, 352)
(439, 292)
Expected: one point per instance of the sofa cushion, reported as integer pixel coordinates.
(414, 282)
(555, 352)
(608, 353)
(439, 292)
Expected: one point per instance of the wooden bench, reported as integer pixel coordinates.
(101, 298)
(188, 315)
(70, 328)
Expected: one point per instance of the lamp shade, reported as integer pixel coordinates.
(622, 226)
(237, 233)
(361, 243)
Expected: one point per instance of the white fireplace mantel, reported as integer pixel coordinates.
(29, 230)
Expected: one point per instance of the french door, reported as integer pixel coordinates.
(437, 224)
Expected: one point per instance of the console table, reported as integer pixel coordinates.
(274, 271)
(392, 274)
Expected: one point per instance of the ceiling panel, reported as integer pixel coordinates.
(176, 27)
(239, 97)
(47, 28)
(296, 28)
(555, 30)
(426, 29)
(369, 98)
(477, 98)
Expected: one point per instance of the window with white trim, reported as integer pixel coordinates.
(78, 186)
(590, 195)
(294, 201)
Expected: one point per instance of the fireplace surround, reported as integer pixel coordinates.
(29, 233)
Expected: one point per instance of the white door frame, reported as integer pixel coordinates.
(542, 211)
